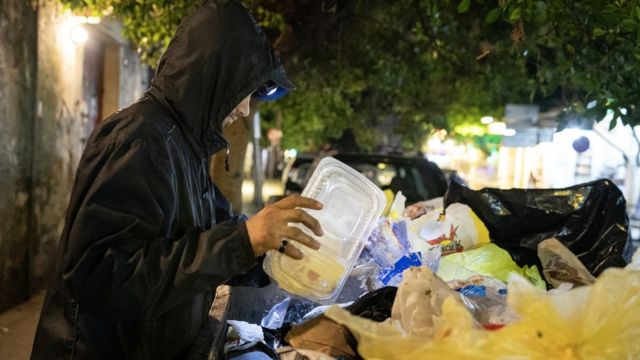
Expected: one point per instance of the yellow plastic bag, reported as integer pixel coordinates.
(488, 260)
(454, 337)
(599, 321)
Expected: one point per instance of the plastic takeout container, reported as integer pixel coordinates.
(352, 206)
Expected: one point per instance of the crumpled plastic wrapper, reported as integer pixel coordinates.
(560, 265)
(455, 229)
(419, 300)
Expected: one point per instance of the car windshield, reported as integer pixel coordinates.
(394, 175)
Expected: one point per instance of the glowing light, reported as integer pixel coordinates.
(509, 132)
(74, 28)
(486, 120)
(91, 20)
(79, 34)
(497, 128)
(434, 144)
(290, 153)
(449, 144)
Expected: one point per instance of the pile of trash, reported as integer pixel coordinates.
(528, 274)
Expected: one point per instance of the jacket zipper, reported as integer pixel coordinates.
(226, 159)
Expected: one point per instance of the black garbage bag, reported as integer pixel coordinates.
(590, 219)
(375, 305)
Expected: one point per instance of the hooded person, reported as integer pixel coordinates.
(148, 236)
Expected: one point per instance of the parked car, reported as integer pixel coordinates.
(417, 178)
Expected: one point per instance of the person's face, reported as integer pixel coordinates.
(242, 110)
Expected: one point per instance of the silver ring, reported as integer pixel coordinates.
(283, 246)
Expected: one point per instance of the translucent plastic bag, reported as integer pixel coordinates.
(488, 260)
(390, 247)
(599, 321)
(454, 336)
(419, 300)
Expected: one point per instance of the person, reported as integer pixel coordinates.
(148, 236)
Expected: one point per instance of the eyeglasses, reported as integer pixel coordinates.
(267, 89)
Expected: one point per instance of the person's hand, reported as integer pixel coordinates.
(269, 227)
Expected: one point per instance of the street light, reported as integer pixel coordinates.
(486, 120)
(497, 128)
(79, 34)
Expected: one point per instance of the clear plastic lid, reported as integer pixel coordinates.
(352, 205)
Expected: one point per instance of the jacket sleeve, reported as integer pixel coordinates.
(256, 276)
(118, 263)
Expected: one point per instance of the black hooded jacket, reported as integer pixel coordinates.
(148, 236)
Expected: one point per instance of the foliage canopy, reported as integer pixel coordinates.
(425, 63)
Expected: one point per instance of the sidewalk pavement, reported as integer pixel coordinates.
(18, 327)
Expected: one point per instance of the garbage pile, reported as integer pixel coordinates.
(492, 274)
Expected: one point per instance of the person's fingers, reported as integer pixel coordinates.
(294, 201)
(301, 216)
(270, 225)
(299, 236)
(292, 251)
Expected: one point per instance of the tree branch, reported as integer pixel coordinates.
(442, 52)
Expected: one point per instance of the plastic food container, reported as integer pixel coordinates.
(352, 205)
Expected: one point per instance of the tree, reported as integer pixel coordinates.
(425, 63)
(416, 58)
(583, 52)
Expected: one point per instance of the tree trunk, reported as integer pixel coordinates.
(230, 182)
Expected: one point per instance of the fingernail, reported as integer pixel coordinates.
(319, 205)
(316, 245)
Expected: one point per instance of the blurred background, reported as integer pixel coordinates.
(412, 93)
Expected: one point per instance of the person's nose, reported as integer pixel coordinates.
(244, 108)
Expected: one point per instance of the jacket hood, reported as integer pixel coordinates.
(217, 57)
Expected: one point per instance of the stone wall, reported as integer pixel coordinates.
(17, 111)
(46, 115)
(60, 131)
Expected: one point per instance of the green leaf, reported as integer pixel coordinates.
(611, 37)
(597, 32)
(570, 49)
(638, 12)
(628, 24)
(493, 16)
(515, 14)
(463, 7)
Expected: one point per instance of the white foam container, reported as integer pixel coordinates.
(352, 205)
